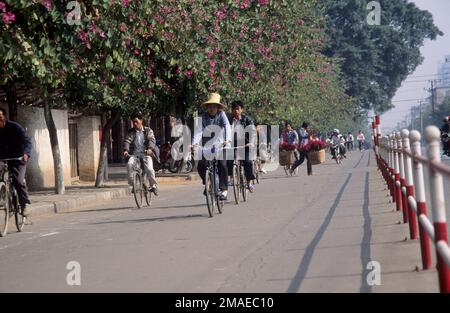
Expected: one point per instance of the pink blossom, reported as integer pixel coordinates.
(9, 17)
(136, 52)
(221, 14)
(125, 2)
(3, 6)
(122, 27)
(48, 4)
(188, 73)
(263, 2)
(83, 36)
(243, 4)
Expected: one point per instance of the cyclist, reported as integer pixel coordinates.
(262, 149)
(239, 122)
(15, 143)
(350, 140)
(361, 140)
(445, 131)
(140, 143)
(337, 140)
(214, 116)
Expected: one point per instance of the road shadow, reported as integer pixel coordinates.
(155, 219)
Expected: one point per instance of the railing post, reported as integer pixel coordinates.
(397, 185)
(378, 132)
(409, 184)
(432, 136)
(391, 169)
(419, 184)
(404, 198)
(375, 140)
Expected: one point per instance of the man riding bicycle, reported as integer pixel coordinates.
(445, 132)
(14, 144)
(212, 121)
(239, 122)
(140, 144)
(337, 141)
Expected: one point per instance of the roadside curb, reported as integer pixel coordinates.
(78, 202)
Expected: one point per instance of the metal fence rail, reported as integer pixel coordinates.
(400, 160)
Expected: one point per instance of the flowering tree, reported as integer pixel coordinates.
(32, 41)
(163, 57)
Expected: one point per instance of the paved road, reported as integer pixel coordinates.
(294, 235)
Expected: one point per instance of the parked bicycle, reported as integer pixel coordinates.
(9, 200)
(140, 184)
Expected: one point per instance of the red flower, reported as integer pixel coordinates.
(288, 147)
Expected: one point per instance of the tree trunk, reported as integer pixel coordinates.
(57, 164)
(11, 98)
(103, 162)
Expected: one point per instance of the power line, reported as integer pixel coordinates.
(431, 75)
(407, 100)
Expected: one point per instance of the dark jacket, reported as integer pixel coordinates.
(14, 142)
(149, 143)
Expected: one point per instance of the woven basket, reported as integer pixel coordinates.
(317, 157)
(286, 158)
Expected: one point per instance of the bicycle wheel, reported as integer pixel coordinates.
(210, 193)
(236, 183)
(20, 219)
(148, 197)
(220, 204)
(189, 166)
(138, 190)
(4, 209)
(242, 184)
(256, 171)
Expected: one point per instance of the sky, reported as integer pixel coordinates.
(416, 85)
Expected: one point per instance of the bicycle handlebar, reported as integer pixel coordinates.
(12, 159)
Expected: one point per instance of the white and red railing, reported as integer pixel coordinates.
(400, 160)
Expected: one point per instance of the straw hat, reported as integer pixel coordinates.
(214, 98)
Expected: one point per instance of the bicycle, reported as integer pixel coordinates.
(239, 179)
(212, 186)
(338, 153)
(140, 187)
(9, 200)
(257, 169)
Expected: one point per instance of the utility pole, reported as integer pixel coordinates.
(421, 118)
(433, 94)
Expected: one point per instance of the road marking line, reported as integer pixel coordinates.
(49, 234)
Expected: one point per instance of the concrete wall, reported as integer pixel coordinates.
(88, 146)
(40, 171)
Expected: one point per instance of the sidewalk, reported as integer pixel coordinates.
(399, 256)
(83, 194)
